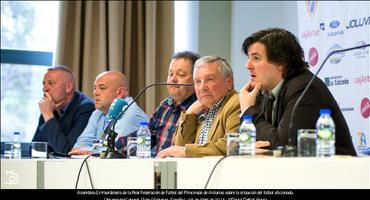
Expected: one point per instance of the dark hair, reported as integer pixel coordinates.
(282, 48)
(188, 55)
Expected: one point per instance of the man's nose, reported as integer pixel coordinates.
(203, 86)
(96, 92)
(174, 79)
(249, 64)
(45, 88)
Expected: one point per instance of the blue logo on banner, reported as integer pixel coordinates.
(334, 24)
(328, 82)
(311, 7)
(336, 81)
(362, 141)
(353, 23)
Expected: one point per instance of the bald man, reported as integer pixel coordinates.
(64, 111)
(108, 86)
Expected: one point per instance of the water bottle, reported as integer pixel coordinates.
(247, 137)
(325, 143)
(17, 150)
(143, 141)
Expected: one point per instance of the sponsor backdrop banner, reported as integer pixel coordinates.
(327, 26)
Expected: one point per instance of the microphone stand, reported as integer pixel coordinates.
(111, 152)
(141, 92)
(290, 150)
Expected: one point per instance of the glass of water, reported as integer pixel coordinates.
(306, 142)
(232, 147)
(131, 147)
(8, 150)
(39, 149)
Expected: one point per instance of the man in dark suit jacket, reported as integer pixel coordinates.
(279, 75)
(64, 111)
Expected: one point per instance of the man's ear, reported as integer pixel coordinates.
(122, 92)
(69, 87)
(281, 67)
(230, 82)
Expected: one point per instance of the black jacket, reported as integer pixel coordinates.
(318, 96)
(61, 134)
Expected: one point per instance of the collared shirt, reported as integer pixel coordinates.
(129, 122)
(209, 116)
(164, 121)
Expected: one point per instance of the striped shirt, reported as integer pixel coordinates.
(164, 121)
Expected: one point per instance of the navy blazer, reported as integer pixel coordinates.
(61, 134)
(318, 96)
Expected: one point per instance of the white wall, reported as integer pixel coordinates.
(211, 30)
(186, 28)
(249, 17)
(214, 28)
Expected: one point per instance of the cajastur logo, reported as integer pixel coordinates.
(363, 79)
(313, 57)
(310, 33)
(365, 107)
(311, 7)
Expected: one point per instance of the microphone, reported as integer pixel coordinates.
(290, 150)
(114, 111)
(143, 90)
(117, 106)
(112, 154)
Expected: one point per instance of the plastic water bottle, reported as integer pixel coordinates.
(143, 141)
(325, 143)
(17, 150)
(247, 137)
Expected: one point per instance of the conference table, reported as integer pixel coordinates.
(104, 174)
(275, 173)
(235, 172)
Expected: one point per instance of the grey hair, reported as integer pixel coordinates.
(66, 70)
(222, 65)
